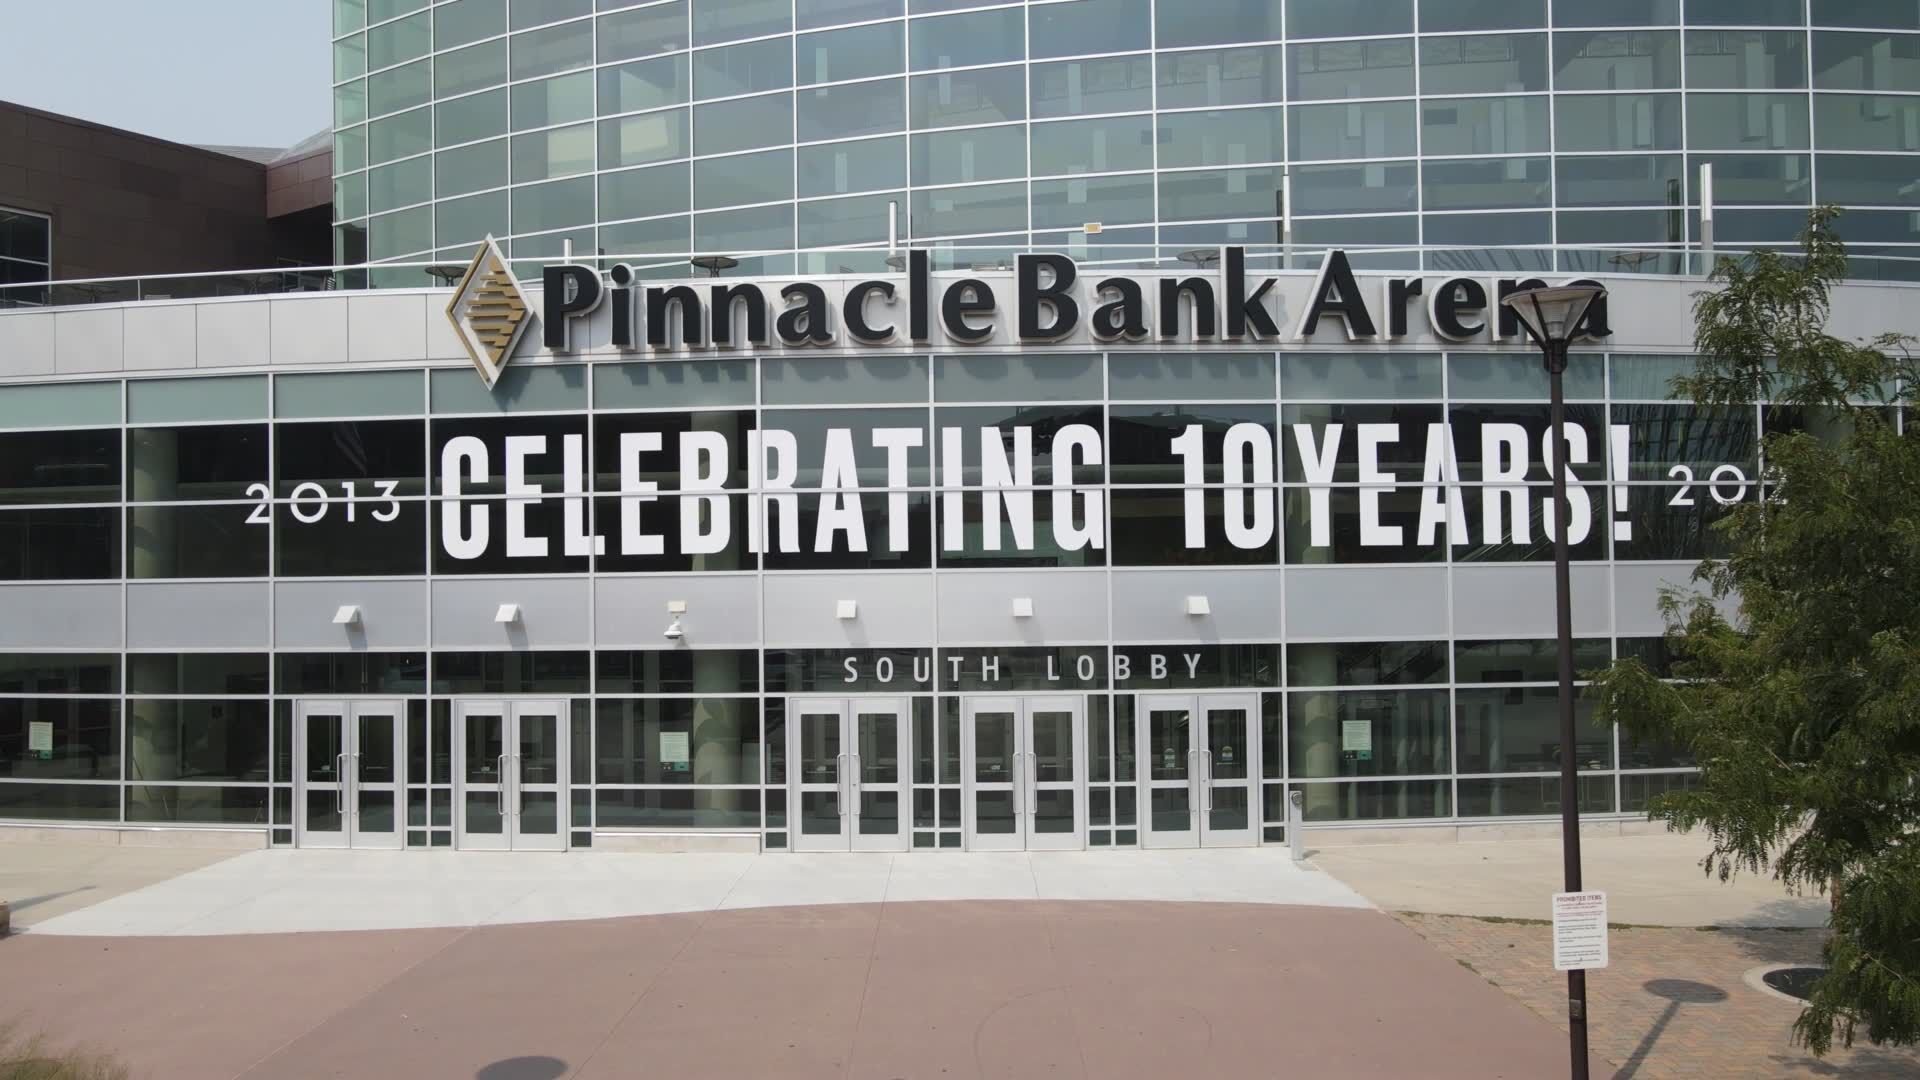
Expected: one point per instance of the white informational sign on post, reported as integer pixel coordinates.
(1579, 931)
(40, 738)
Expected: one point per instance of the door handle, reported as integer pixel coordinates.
(853, 784)
(340, 782)
(500, 770)
(840, 781)
(1206, 780)
(1033, 786)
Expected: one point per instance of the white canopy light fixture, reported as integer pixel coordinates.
(507, 614)
(1023, 607)
(1198, 605)
(847, 609)
(347, 615)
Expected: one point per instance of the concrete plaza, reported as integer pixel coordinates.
(281, 963)
(518, 967)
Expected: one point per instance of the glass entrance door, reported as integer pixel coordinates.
(510, 758)
(1199, 754)
(1023, 763)
(347, 761)
(849, 774)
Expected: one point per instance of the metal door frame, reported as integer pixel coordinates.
(347, 783)
(1143, 708)
(1250, 835)
(508, 787)
(1022, 781)
(847, 784)
(1199, 780)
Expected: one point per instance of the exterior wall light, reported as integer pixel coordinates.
(1198, 605)
(847, 609)
(1023, 607)
(347, 615)
(507, 615)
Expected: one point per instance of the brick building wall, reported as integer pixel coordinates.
(125, 204)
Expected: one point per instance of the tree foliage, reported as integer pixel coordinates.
(1798, 655)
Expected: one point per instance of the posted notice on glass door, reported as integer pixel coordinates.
(1579, 931)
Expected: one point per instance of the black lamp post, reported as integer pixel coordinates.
(1552, 318)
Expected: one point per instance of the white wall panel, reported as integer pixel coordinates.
(393, 614)
(88, 340)
(1395, 603)
(1150, 604)
(723, 610)
(1068, 605)
(161, 337)
(310, 329)
(60, 616)
(198, 615)
(234, 333)
(553, 613)
(893, 609)
(1516, 600)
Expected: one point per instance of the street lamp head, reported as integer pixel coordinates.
(1552, 315)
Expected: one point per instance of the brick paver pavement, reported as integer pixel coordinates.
(968, 990)
(1671, 1003)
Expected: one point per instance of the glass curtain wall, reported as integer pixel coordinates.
(742, 127)
(298, 477)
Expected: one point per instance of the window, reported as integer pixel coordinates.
(26, 257)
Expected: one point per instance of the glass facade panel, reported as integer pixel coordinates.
(1616, 60)
(1862, 122)
(1747, 121)
(1210, 77)
(837, 112)
(1222, 137)
(1103, 85)
(1617, 122)
(744, 123)
(1369, 129)
(1746, 59)
(1484, 125)
(1483, 64)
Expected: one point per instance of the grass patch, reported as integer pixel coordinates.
(24, 1057)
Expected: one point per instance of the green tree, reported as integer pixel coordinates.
(1803, 712)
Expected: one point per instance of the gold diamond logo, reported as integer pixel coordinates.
(488, 312)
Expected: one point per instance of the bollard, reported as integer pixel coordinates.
(1296, 822)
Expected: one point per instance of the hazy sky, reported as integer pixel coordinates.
(237, 72)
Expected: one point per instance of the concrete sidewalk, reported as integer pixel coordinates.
(42, 881)
(1652, 880)
(286, 891)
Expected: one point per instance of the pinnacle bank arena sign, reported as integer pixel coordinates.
(641, 486)
(1052, 302)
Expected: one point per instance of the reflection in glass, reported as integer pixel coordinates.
(993, 747)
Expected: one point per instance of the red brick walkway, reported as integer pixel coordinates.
(909, 990)
(1672, 1002)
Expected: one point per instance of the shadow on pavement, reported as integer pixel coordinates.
(1678, 992)
(523, 1068)
(1781, 945)
(34, 901)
